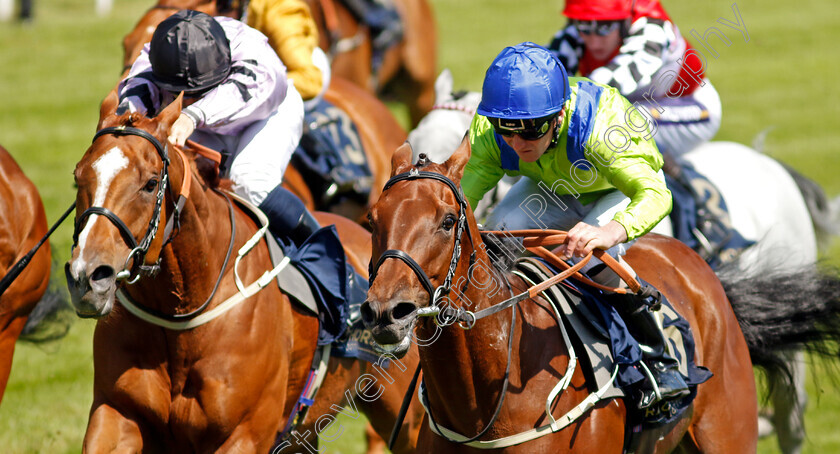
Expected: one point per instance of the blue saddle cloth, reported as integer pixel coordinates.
(627, 354)
(357, 342)
(330, 157)
(322, 262)
(700, 217)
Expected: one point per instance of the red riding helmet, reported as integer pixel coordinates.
(608, 10)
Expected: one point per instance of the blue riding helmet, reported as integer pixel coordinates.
(525, 81)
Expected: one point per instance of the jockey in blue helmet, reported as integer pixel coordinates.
(591, 167)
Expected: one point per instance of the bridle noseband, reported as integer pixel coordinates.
(142, 248)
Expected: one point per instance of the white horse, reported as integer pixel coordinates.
(765, 202)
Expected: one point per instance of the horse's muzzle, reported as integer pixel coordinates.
(390, 324)
(92, 296)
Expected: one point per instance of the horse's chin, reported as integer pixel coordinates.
(92, 304)
(398, 350)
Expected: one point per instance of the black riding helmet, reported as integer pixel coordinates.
(189, 52)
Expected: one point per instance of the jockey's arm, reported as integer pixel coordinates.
(254, 89)
(568, 47)
(633, 170)
(137, 93)
(293, 35)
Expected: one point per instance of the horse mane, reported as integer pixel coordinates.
(207, 170)
(503, 251)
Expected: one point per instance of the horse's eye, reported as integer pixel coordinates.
(448, 222)
(151, 185)
(370, 220)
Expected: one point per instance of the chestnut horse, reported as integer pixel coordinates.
(519, 348)
(407, 70)
(22, 226)
(177, 380)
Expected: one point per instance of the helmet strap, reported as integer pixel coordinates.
(625, 24)
(556, 132)
(624, 28)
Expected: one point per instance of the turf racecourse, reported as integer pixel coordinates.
(54, 72)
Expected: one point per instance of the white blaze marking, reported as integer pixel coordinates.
(107, 167)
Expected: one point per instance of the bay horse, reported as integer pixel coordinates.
(22, 226)
(487, 378)
(167, 382)
(407, 70)
(769, 208)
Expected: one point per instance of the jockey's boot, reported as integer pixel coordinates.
(288, 217)
(662, 369)
(664, 378)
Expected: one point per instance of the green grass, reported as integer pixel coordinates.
(54, 73)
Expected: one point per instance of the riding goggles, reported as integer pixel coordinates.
(598, 27)
(527, 128)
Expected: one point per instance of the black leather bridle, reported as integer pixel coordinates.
(450, 314)
(140, 249)
(435, 294)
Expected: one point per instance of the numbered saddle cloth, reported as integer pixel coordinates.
(700, 217)
(331, 158)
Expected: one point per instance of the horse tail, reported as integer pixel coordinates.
(52, 316)
(825, 212)
(784, 311)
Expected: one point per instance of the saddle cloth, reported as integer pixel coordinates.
(353, 340)
(597, 329)
(330, 157)
(700, 217)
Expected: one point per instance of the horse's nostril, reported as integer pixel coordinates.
(403, 310)
(102, 272)
(368, 316)
(68, 274)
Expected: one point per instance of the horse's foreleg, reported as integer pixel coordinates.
(241, 442)
(375, 443)
(8, 336)
(109, 431)
(392, 383)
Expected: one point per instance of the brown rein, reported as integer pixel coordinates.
(535, 241)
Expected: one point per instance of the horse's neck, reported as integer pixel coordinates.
(468, 365)
(193, 260)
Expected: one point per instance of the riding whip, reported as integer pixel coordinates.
(18, 267)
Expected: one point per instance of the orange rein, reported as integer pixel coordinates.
(534, 241)
(207, 152)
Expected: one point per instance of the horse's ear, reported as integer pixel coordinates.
(456, 163)
(108, 108)
(170, 113)
(443, 85)
(401, 160)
